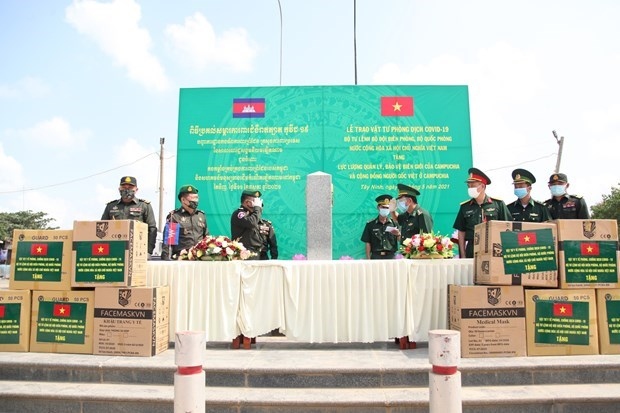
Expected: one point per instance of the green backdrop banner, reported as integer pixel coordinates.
(368, 138)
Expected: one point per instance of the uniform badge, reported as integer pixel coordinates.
(493, 295)
(124, 294)
(241, 214)
(101, 229)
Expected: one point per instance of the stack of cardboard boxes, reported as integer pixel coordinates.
(83, 291)
(537, 288)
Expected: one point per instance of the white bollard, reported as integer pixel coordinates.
(444, 381)
(189, 379)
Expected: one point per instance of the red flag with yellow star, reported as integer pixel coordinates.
(397, 106)
(590, 248)
(526, 238)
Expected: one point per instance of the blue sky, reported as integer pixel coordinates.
(88, 87)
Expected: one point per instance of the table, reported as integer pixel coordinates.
(312, 301)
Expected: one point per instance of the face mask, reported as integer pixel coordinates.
(192, 204)
(401, 205)
(557, 190)
(473, 192)
(127, 193)
(384, 212)
(520, 192)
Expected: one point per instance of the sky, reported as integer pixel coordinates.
(88, 88)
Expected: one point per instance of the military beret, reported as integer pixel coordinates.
(383, 199)
(558, 177)
(406, 190)
(128, 180)
(187, 189)
(251, 192)
(523, 175)
(476, 175)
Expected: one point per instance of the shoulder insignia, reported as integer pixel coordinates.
(144, 200)
(577, 196)
(113, 201)
(241, 214)
(465, 202)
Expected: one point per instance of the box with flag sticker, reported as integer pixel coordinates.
(14, 320)
(62, 322)
(42, 260)
(588, 253)
(110, 253)
(515, 253)
(608, 310)
(561, 322)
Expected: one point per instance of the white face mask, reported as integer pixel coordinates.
(557, 190)
(384, 212)
(473, 192)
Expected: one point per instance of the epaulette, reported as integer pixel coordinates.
(114, 200)
(144, 200)
(466, 201)
(577, 196)
(538, 202)
(495, 199)
(267, 221)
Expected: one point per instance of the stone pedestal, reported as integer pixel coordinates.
(319, 205)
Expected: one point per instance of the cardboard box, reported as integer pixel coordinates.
(588, 253)
(608, 311)
(62, 322)
(561, 322)
(515, 253)
(491, 320)
(15, 320)
(109, 253)
(41, 260)
(131, 321)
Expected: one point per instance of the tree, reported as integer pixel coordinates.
(23, 220)
(609, 207)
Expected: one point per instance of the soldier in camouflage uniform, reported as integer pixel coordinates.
(130, 207)
(525, 208)
(480, 208)
(562, 205)
(192, 223)
(244, 222)
(381, 244)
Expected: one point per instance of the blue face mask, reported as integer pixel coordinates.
(384, 212)
(557, 190)
(520, 192)
(401, 205)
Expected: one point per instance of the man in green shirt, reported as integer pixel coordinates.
(525, 208)
(479, 208)
(411, 217)
(561, 205)
(381, 233)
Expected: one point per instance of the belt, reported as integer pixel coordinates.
(383, 252)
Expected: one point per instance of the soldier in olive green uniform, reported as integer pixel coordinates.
(562, 205)
(130, 207)
(270, 242)
(245, 222)
(480, 208)
(411, 217)
(381, 243)
(192, 223)
(525, 208)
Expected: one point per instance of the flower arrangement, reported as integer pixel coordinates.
(299, 257)
(218, 248)
(427, 245)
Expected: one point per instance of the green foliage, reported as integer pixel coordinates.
(23, 220)
(609, 207)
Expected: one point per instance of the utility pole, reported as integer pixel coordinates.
(560, 142)
(161, 183)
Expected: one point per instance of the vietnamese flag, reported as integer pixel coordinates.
(562, 309)
(590, 248)
(62, 310)
(2, 311)
(397, 106)
(38, 249)
(526, 238)
(101, 249)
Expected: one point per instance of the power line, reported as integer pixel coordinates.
(521, 163)
(79, 179)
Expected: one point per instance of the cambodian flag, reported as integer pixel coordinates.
(171, 233)
(249, 108)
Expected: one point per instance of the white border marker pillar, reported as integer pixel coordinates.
(189, 379)
(444, 380)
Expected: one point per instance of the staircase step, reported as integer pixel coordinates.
(23, 396)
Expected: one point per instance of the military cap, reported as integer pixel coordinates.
(558, 177)
(252, 192)
(383, 200)
(523, 175)
(476, 175)
(187, 189)
(406, 190)
(129, 180)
